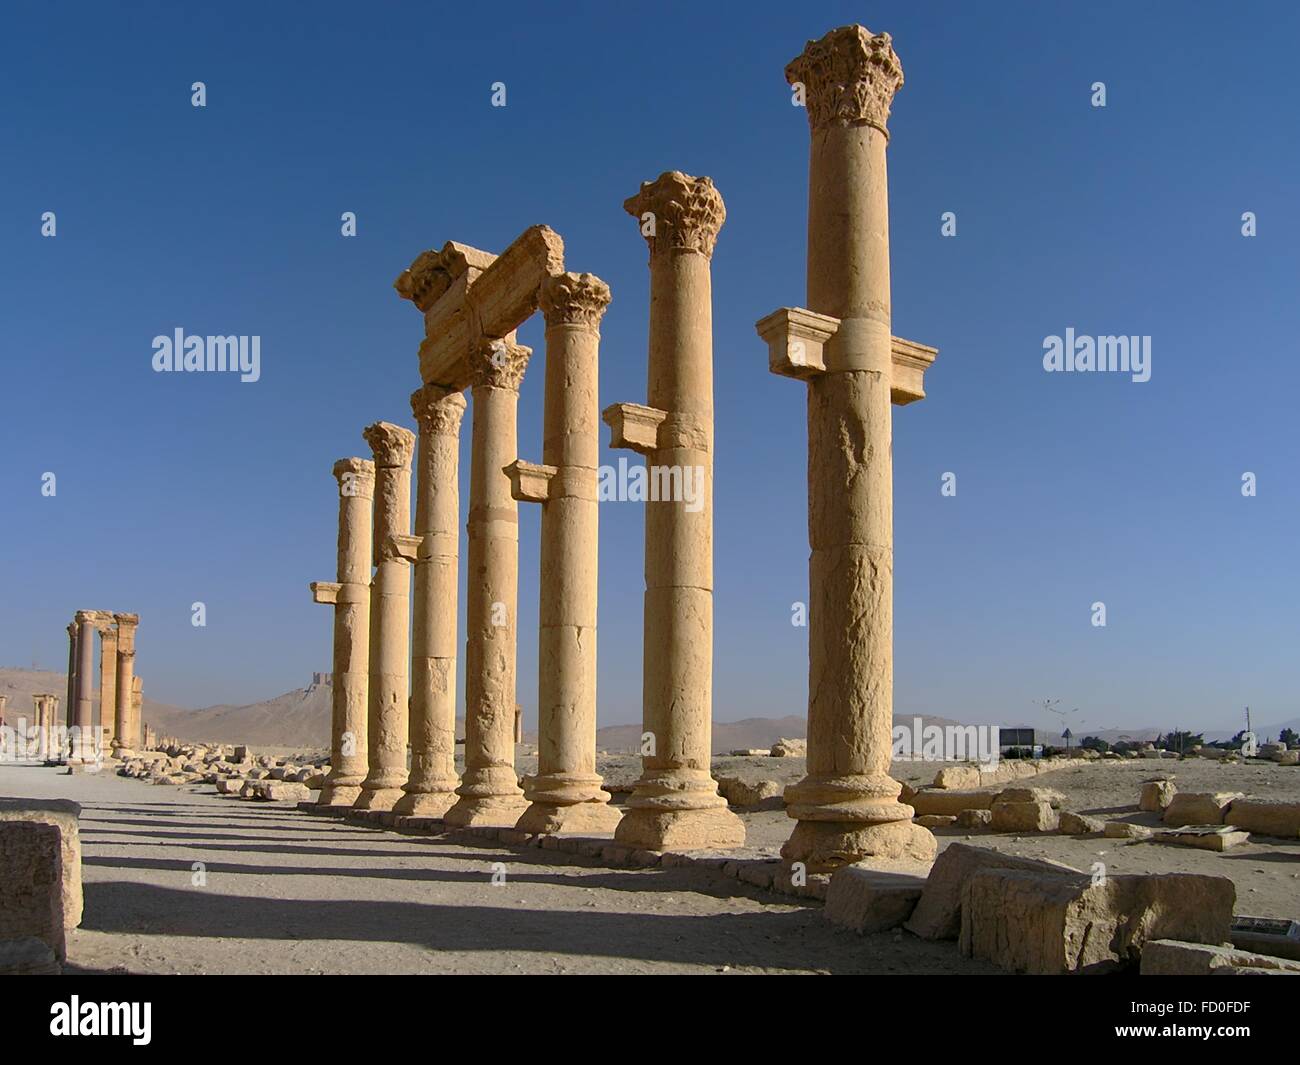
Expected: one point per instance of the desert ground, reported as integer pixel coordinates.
(181, 880)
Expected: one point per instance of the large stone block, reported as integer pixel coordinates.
(1156, 795)
(1266, 817)
(27, 956)
(1029, 922)
(1167, 957)
(31, 883)
(949, 801)
(63, 814)
(1199, 807)
(871, 900)
(1023, 817)
(938, 913)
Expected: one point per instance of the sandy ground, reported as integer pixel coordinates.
(287, 892)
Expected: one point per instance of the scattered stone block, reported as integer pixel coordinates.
(1266, 817)
(31, 883)
(957, 776)
(938, 913)
(1199, 807)
(949, 801)
(1206, 837)
(784, 748)
(1156, 795)
(974, 819)
(63, 814)
(1072, 824)
(1168, 957)
(1051, 796)
(871, 900)
(27, 956)
(1028, 922)
(1276, 936)
(1124, 830)
(1289, 757)
(741, 793)
(937, 820)
(1023, 817)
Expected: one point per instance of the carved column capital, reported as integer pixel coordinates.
(678, 212)
(392, 445)
(356, 477)
(849, 78)
(500, 364)
(574, 299)
(438, 410)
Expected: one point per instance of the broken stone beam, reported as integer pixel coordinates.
(480, 307)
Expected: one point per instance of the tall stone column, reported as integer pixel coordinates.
(350, 596)
(847, 805)
(390, 606)
(676, 803)
(41, 704)
(126, 720)
(431, 789)
(70, 710)
(566, 794)
(107, 681)
(83, 739)
(489, 792)
(138, 726)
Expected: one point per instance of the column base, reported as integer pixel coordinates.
(824, 846)
(377, 798)
(580, 818)
(339, 794)
(714, 828)
(495, 811)
(425, 803)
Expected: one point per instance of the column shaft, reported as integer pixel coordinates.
(107, 683)
(390, 604)
(431, 789)
(676, 804)
(349, 727)
(126, 725)
(83, 745)
(566, 793)
(489, 791)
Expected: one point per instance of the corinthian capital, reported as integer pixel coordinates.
(391, 445)
(500, 364)
(438, 410)
(433, 272)
(849, 78)
(678, 212)
(574, 299)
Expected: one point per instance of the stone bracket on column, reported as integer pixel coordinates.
(634, 427)
(402, 546)
(530, 482)
(325, 591)
(796, 340)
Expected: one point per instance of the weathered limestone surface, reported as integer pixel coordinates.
(489, 793)
(1029, 816)
(82, 740)
(675, 804)
(31, 883)
(388, 690)
(871, 900)
(1156, 795)
(107, 680)
(1169, 957)
(950, 801)
(1199, 808)
(63, 814)
(350, 595)
(1073, 824)
(938, 913)
(431, 789)
(566, 793)
(127, 734)
(1034, 923)
(1265, 817)
(1204, 837)
(847, 807)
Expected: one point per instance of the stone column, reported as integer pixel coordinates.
(137, 713)
(41, 704)
(847, 805)
(390, 605)
(490, 792)
(676, 804)
(431, 789)
(566, 793)
(350, 596)
(83, 741)
(126, 719)
(107, 681)
(70, 710)
(4, 702)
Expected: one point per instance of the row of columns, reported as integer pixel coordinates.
(847, 805)
(120, 691)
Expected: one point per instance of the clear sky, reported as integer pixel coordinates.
(1071, 488)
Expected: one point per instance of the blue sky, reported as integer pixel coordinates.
(1072, 488)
